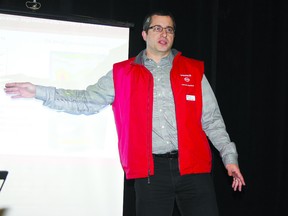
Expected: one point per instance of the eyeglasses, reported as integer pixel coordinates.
(159, 28)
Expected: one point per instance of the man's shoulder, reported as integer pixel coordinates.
(191, 61)
(125, 62)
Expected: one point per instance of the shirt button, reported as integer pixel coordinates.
(162, 126)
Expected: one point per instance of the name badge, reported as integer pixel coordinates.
(190, 97)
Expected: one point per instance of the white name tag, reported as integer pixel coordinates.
(190, 97)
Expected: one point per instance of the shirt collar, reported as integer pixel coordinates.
(168, 58)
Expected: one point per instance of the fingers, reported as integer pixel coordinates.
(12, 85)
(8, 85)
(20, 89)
(238, 181)
(11, 90)
(238, 176)
(237, 184)
(16, 84)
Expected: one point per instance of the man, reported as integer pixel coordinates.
(164, 107)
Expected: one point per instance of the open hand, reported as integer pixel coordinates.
(20, 89)
(238, 180)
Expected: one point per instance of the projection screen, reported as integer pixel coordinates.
(59, 164)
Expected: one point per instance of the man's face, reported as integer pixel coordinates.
(159, 43)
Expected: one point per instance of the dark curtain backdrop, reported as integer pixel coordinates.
(251, 86)
(244, 46)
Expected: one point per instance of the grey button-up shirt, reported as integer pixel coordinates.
(164, 135)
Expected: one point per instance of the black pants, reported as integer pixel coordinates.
(194, 193)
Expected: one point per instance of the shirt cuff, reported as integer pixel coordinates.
(43, 92)
(230, 159)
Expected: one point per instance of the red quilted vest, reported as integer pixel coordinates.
(133, 106)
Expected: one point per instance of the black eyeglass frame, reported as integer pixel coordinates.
(161, 28)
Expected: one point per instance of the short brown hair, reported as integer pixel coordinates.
(148, 19)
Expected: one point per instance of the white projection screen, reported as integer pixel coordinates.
(59, 164)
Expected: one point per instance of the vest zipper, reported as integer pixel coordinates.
(148, 150)
(148, 179)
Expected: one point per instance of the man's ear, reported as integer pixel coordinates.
(144, 35)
